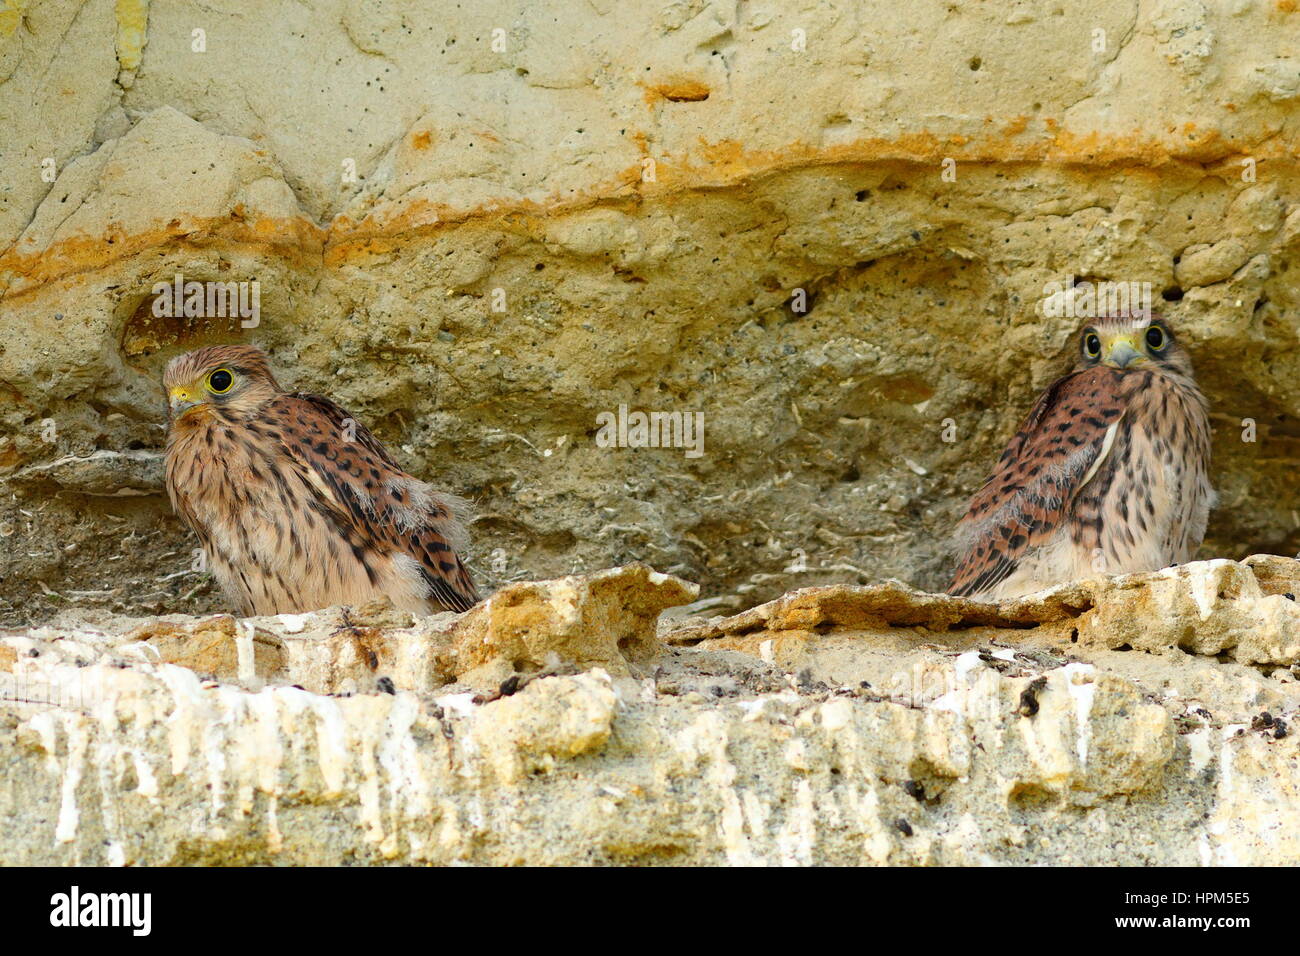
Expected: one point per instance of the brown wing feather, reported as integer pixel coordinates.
(362, 483)
(1027, 498)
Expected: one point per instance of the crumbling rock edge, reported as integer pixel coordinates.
(846, 725)
(1251, 603)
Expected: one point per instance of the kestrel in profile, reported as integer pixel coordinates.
(1109, 473)
(296, 504)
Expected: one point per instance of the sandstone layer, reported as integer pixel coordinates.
(837, 725)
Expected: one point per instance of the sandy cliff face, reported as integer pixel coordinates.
(479, 231)
(828, 229)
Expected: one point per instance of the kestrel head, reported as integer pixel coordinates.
(1127, 341)
(227, 381)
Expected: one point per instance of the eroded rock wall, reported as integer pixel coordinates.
(838, 725)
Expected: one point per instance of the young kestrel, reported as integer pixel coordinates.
(1109, 473)
(296, 504)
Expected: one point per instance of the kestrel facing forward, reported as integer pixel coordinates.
(298, 506)
(1109, 473)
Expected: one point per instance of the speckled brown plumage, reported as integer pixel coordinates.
(1108, 474)
(297, 505)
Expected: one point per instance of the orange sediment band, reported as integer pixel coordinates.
(711, 165)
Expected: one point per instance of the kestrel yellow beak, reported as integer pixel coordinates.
(1122, 351)
(182, 400)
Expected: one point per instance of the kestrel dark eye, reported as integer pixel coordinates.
(1156, 338)
(220, 381)
(1092, 345)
